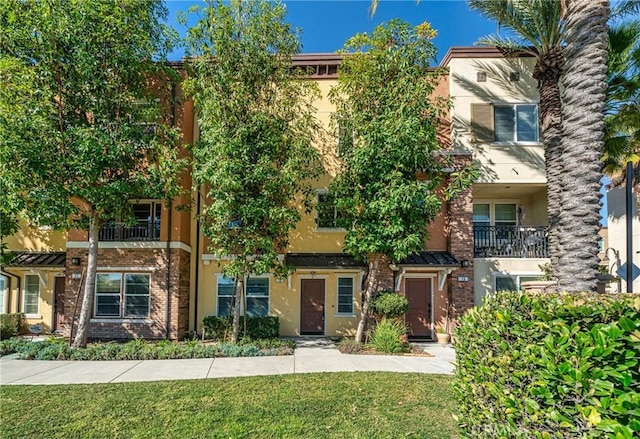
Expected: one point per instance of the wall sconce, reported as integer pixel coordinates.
(464, 263)
(393, 267)
(75, 261)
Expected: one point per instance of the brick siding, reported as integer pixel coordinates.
(153, 327)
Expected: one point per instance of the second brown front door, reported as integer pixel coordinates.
(58, 312)
(312, 306)
(418, 317)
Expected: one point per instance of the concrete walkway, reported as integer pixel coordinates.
(311, 355)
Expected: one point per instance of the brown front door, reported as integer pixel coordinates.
(312, 306)
(418, 318)
(58, 312)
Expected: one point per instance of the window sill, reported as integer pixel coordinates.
(330, 229)
(33, 316)
(345, 315)
(145, 321)
(516, 144)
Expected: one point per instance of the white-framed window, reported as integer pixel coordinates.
(495, 214)
(345, 295)
(3, 287)
(327, 214)
(31, 300)
(256, 296)
(515, 123)
(512, 282)
(123, 295)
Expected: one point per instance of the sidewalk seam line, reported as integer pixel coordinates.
(35, 374)
(210, 366)
(125, 371)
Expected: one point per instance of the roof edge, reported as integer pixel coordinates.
(480, 52)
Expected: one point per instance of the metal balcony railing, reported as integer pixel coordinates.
(141, 231)
(511, 241)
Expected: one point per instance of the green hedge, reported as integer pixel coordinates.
(10, 325)
(550, 366)
(140, 349)
(220, 328)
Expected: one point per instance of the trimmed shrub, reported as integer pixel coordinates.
(390, 305)
(10, 325)
(220, 328)
(550, 366)
(139, 349)
(386, 337)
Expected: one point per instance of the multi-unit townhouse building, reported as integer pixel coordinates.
(158, 278)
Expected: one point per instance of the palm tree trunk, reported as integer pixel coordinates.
(583, 98)
(86, 309)
(372, 283)
(547, 71)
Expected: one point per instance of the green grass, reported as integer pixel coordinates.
(338, 405)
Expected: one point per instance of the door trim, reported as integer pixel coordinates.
(431, 277)
(324, 322)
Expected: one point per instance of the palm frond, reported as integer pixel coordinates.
(534, 23)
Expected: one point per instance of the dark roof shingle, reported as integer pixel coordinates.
(432, 258)
(323, 260)
(38, 259)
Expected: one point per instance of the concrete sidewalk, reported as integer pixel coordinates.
(311, 355)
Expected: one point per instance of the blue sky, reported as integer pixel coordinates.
(326, 25)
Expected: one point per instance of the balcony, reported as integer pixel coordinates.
(510, 242)
(143, 230)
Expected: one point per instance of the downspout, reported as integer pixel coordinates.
(167, 307)
(17, 278)
(197, 270)
(167, 280)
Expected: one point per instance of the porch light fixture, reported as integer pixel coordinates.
(464, 263)
(393, 267)
(75, 261)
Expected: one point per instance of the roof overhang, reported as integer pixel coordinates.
(323, 261)
(38, 260)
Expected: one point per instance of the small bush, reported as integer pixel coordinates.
(550, 366)
(390, 305)
(386, 337)
(220, 328)
(349, 346)
(10, 325)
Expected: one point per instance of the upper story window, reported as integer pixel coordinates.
(495, 214)
(327, 214)
(504, 123)
(516, 123)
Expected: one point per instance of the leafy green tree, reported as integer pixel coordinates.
(255, 156)
(384, 94)
(80, 148)
(583, 103)
(536, 27)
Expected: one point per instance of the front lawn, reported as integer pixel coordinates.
(340, 405)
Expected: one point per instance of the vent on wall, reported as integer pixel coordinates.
(514, 76)
(481, 77)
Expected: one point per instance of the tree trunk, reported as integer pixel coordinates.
(547, 71)
(584, 80)
(236, 309)
(372, 283)
(82, 333)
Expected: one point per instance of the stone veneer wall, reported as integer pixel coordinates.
(460, 225)
(152, 261)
